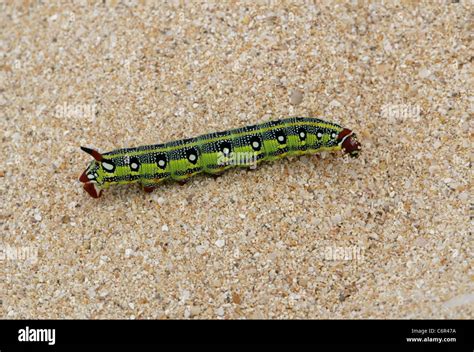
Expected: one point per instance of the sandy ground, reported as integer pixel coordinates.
(386, 235)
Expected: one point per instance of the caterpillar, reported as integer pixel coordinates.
(214, 152)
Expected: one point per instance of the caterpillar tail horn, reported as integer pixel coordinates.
(95, 154)
(89, 176)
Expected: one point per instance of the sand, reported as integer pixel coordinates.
(386, 235)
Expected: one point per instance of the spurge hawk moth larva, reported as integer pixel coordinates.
(215, 152)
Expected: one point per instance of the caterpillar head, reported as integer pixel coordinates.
(92, 177)
(348, 142)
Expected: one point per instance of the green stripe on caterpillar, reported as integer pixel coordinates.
(215, 152)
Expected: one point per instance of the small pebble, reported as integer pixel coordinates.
(335, 104)
(236, 298)
(201, 249)
(185, 294)
(65, 219)
(220, 243)
(420, 241)
(187, 313)
(195, 310)
(160, 200)
(336, 219)
(424, 73)
(220, 311)
(373, 236)
(296, 97)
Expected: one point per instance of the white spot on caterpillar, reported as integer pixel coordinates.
(107, 166)
(320, 135)
(281, 138)
(255, 144)
(302, 134)
(333, 135)
(134, 166)
(161, 163)
(226, 150)
(192, 157)
(90, 176)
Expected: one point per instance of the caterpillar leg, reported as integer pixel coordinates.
(149, 189)
(216, 175)
(92, 189)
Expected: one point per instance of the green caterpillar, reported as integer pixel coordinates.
(215, 152)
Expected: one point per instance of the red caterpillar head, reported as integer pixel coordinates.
(348, 142)
(91, 177)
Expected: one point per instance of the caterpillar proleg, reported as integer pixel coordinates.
(215, 152)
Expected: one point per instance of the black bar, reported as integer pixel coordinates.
(320, 332)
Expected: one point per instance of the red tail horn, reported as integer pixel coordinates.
(95, 154)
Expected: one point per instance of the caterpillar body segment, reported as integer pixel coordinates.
(214, 153)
